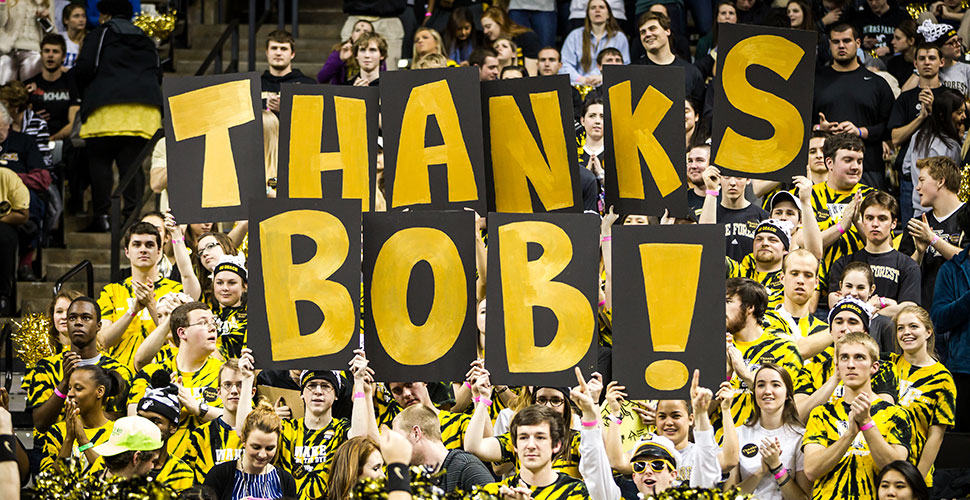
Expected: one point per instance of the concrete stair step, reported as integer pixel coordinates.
(45, 289)
(76, 239)
(102, 272)
(73, 256)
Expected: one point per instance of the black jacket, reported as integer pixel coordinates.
(118, 64)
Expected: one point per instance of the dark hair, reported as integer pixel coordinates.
(281, 36)
(609, 51)
(180, 318)
(751, 294)
(808, 20)
(847, 142)
(366, 38)
(714, 29)
(66, 13)
(54, 39)
(612, 28)
(820, 134)
(87, 300)
(53, 336)
(478, 56)
(550, 47)
(121, 460)
(662, 19)
(939, 125)
(924, 45)
(113, 383)
(908, 27)
(142, 228)
(789, 413)
(843, 26)
(861, 267)
(535, 415)
(590, 102)
(880, 199)
(912, 476)
(459, 16)
(514, 67)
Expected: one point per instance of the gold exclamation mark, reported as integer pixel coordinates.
(670, 274)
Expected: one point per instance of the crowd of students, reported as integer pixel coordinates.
(847, 296)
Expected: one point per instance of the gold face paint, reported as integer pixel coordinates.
(411, 183)
(633, 136)
(389, 291)
(306, 160)
(211, 112)
(739, 152)
(517, 161)
(286, 283)
(670, 277)
(529, 284)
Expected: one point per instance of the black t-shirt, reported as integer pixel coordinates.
(693, 79)
(19, 153)
(897, 275)
(54, 97)
(861, 97)
(906, 109)
(527, 44)
(900, 68)
(883, 331)
(695, 203)
(880, 27)
(271, 84)
(739, 226)
(590, 185)
(948, 230)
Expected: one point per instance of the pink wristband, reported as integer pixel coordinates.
(711, 192)
(59, 394)
(484, 400)
(781, 473)
(174, 241)
(359, 395)
(841, 231)
(868, 426)
(606, 238)
(133, 313)
(589, 424)
(467, 384)
(934, 240)
(602, 303)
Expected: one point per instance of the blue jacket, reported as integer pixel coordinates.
(951, 309)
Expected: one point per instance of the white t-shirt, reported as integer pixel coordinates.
(70, 58)
(749, 438)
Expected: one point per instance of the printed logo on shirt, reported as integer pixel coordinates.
(886, 272)
(227, 454)
(12, 156)
(749, 450)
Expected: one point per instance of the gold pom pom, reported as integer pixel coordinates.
(31, 339)
(157, 26)
(964, 192)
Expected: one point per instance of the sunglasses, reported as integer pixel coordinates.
(656, 465)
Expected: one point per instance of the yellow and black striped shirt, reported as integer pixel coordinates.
(566, 462)
(115, 300)
(565, 488)
(41, 380)
(781, 323)
(176, 474)
(213, 443)
(204, 385)
(828, 205)
(927, 393)
(768, 348)
(53, 439)
(771, 281)
(232, 330)
(453, 427)
(307, 454)
(854, 475)
(817, 371)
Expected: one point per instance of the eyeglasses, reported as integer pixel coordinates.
(954, 42)
(205, 322)
(656, 465)
(228, 386)
(321, 386)
(208, 247)
(551, 402)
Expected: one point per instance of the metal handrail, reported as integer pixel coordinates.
(255, 24)
(215, 55)
(117, 225)
(84, 265)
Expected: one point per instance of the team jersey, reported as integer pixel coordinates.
(211, 444)
(817, 370)
(828, 205)
(768, 348)
(453, 427)
(307, 453)
(40, 381)
(770, 280)
(166, 353)
(605, 323)
(204, 385)
(53, 439)
(781, 323)
(116, 300)
(565, 488)
(854, 475)
(232, 324)
(176, 474)
(566, 462)
(927, 393)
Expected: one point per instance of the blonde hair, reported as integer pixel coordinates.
(422, 417)
(429, 61)
(263, 418)
(859, 338)
(924, 317)
(437, 38)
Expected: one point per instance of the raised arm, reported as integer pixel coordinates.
(190, 282)
(594, 464)
(362, 421)
(811, 236)
(487, 449)
(712, 183)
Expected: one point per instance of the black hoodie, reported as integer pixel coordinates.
(272, 83)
